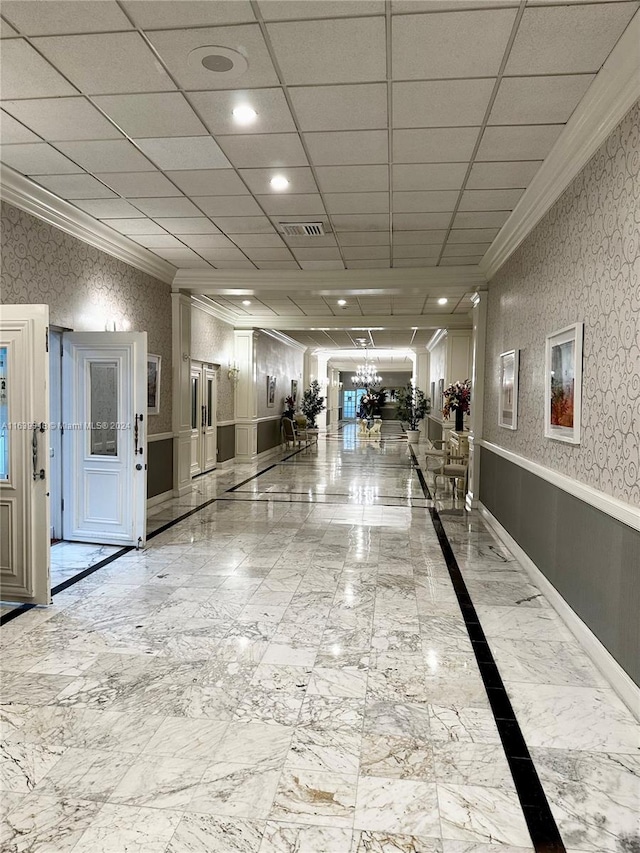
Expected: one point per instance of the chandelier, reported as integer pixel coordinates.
(365, 375)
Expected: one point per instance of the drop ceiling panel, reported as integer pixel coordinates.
(149, 115)
(520, 142)
(216, 109)
(430, 202)
(460, 249)
(319, 253)
(357, 202)
(233, 265)
(201, 182)
(348, 147)
(248, 241)
(75, 186)
(65, 16)
(361, 253)
(229, 205)
(37, 158)
(267, 254)
(260, 150)
(108, 208)
(161, 241)
(244, 225)
(456, 44)
(434, 145)
(291, 205)
(180, 257)
(25, 74)
(461, 261)
(490, 199)
(12, 132)
(441, 103)
(279, 265)
(353, 179)
(428, 176)
(207, 241)
(411, 238)
(360, 221)
(283, 10)
(139, 184)
(472, 235)
(117, 155)
(404, 6)
(106, 64)
(360, 107)
(63, 118)
(420, 221)
(184, 152)
(367, 265)
(503, 175)
(538, 100)
(6, 31)
(415, 262)
(416, 251)
(300, 179)
(323, 51)
(486, 219)
(188, 225)
(567, 39)
(174, 46)
(159, 14)
(135, 226)
(166, 206)
(364, 238)
(310, 242)
(221, 253)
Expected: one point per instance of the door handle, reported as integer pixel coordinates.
(37, 474)
(204, 416)
(138, 420)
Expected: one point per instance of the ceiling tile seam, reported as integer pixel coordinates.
(492, 98)
(152, 48)
(285, 90)
(390, 128)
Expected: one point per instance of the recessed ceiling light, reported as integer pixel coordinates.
(246, 302)
(443, 300)
(244, 114)
(279, 182)
(342, 301)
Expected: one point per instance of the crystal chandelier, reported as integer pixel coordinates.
(365, 375)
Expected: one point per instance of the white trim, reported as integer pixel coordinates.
(614, 507)
(19, 191)
(226, 423)
(160, 436)
(609, 98)
(437, 336)
(284, 339)
(266, 418)
(158, 499)
(227, 463)
(619, 680)
(214, 310)
(272, 451)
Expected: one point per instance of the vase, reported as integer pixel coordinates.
(459, 420)
(413, 436)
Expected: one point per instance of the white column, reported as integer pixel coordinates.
(479, 316)
(246, 398)
(323, 378)
(181, 408)
(422, 377)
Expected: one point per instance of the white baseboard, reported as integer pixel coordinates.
(158, 499)
(227, 463)
(621, 683)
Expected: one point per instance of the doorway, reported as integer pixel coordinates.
(352, 402)
(204, 401)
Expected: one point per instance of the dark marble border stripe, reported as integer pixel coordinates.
(542, 826)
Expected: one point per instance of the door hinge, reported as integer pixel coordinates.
(62, 504)
(46, 339)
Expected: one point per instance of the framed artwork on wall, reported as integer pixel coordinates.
(563, 384)
(294, 390)
(271, 391)
(508, 404)
(153, 383)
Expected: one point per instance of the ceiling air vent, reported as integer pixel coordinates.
(302, 229)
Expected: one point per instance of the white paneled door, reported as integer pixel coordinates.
(24, 463)
(105, 447)
(203, 418)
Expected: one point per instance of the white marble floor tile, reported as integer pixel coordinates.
(43, 823)
(203, 833)
(235, 790)
(297, 838)
(325, 799)
(119, 828)
(475, 813)
(403, 806)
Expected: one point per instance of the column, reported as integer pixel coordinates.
(246, 399)
(181, 395)
(479, 318)
(422, 374)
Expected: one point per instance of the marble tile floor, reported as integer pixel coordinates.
(270, 675)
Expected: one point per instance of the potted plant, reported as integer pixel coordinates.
(411, 407)
(312, 403)
(457, 398)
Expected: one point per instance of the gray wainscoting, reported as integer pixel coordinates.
(160, 470)
(226, 442)
(269, 435)
(592, 559)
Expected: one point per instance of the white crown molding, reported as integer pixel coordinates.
(609, 98)
(371, 322)
(19, 191)
(624, 512)
(623, 685)
(433, 342)
(329, 282)
(217, 311)
(284, 339)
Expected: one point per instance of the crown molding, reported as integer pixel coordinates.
(284, 339)
(21, 192)
(609, 98)
(329, 282)
(433, 342)
(204, 304)
(355, 323)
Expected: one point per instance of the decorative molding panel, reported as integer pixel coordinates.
(25, 194)
(609, 98)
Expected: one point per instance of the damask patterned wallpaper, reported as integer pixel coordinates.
(212, 341)
(274, 358)
(580, 264)
(85, 287)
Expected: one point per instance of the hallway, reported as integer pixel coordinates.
(289, 669)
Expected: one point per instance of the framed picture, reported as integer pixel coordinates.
(563, 384)
(271, 391)
(508, 405)
(153, 383)
(294, 390)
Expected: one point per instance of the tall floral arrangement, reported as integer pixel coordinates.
(457, 398)
(312, 403)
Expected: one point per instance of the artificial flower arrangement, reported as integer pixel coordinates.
(290, 407)
(457, 398)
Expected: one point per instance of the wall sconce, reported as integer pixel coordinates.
(233, 372)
